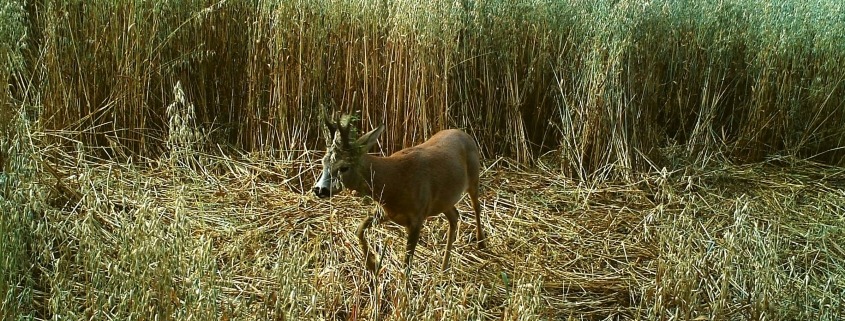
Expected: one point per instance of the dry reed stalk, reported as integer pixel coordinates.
(607, 84)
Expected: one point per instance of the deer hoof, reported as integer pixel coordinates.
(371, 264)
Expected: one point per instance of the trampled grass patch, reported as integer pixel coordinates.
(239, 240)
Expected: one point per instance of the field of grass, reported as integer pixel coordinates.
(650, 160)
(242, 238)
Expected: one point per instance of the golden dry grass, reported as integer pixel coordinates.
(244, 239)
(609, 83)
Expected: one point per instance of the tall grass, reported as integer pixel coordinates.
(609, 85)
(21, 198)
(18, 190)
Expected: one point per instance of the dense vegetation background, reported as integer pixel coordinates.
(603, 83)
(684, 157)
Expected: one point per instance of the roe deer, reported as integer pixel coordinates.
(410, 185)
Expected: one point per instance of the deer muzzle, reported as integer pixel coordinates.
(327, 185)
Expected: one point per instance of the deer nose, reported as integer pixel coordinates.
(321, 192)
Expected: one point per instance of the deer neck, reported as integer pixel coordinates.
(375, 178)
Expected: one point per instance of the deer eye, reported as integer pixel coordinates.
(343, 169)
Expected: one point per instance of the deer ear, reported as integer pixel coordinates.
(369, 139)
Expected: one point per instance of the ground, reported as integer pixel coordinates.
(245, 239)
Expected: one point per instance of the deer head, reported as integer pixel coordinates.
(342, 162)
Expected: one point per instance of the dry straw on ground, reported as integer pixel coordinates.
(244, 239)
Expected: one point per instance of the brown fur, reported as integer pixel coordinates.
(414, 183)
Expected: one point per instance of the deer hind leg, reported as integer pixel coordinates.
(368, 253)
(476, 206)
(453, 216)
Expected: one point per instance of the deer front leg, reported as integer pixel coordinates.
(368, 253)
(413, 237)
